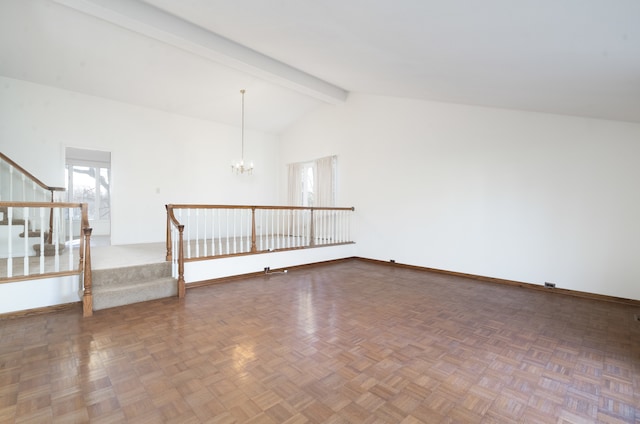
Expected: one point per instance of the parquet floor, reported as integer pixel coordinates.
(350, 342)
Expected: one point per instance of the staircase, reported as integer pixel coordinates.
(17, 236)
(132, 284)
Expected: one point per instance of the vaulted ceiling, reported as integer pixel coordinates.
(192, 57)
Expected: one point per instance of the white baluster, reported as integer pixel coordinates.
(241, 213)
(277, 230)
(213, 226)
(244, 238)
(264, 230)
(188, 231)
(70, 243)
(332, 226)
(197, 233)
(204, 233)
(300, 228)
(243, 229)
(249, 228)
(42, 210)
(318, 228)
(273, 229)
(25, 214)
(219, 232)
(259, 227)
(56, 237)
(288, 213)
(227, 233)
(234, 229)
(247, 220)
(294, 233)
(175, 239)
(10, 242)
(326, 232)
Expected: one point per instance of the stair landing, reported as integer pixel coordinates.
(106, 257)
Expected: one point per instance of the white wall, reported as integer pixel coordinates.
(33, 294)
(157, 157)
(507, 194)
(245, 264)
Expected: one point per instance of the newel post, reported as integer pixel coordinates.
(168, 256)
(254, 249)
(87, 298)
(181, 283)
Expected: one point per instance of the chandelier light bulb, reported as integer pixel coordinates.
(238, 166)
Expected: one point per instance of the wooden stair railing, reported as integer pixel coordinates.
(27, 175)
(47, 261)
(84, 251)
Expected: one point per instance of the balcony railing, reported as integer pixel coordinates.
(196, 232)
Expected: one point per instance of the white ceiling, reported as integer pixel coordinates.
(575, 57)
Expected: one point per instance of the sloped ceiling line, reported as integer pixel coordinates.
(155, 23)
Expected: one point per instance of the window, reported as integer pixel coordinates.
(313, 183)
(307, 175)
(88, 176)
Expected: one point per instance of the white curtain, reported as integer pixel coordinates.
(325, 184)
(294, 180)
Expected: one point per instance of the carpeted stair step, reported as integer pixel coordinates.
(138, 291)
(125, 275)
(133, 284)
(49, 249)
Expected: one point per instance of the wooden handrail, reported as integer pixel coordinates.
(42, 205)
(29, 175)
(297, 208)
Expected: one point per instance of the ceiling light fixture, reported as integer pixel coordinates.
(238, 166)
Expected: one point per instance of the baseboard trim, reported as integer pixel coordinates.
(40, 311)
(530, 286)
(275, 271)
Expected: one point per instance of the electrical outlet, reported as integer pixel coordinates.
(266, 269)
(550, 285)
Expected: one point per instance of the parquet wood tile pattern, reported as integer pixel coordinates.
(349, 342)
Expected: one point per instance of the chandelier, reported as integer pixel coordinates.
(239, 166)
